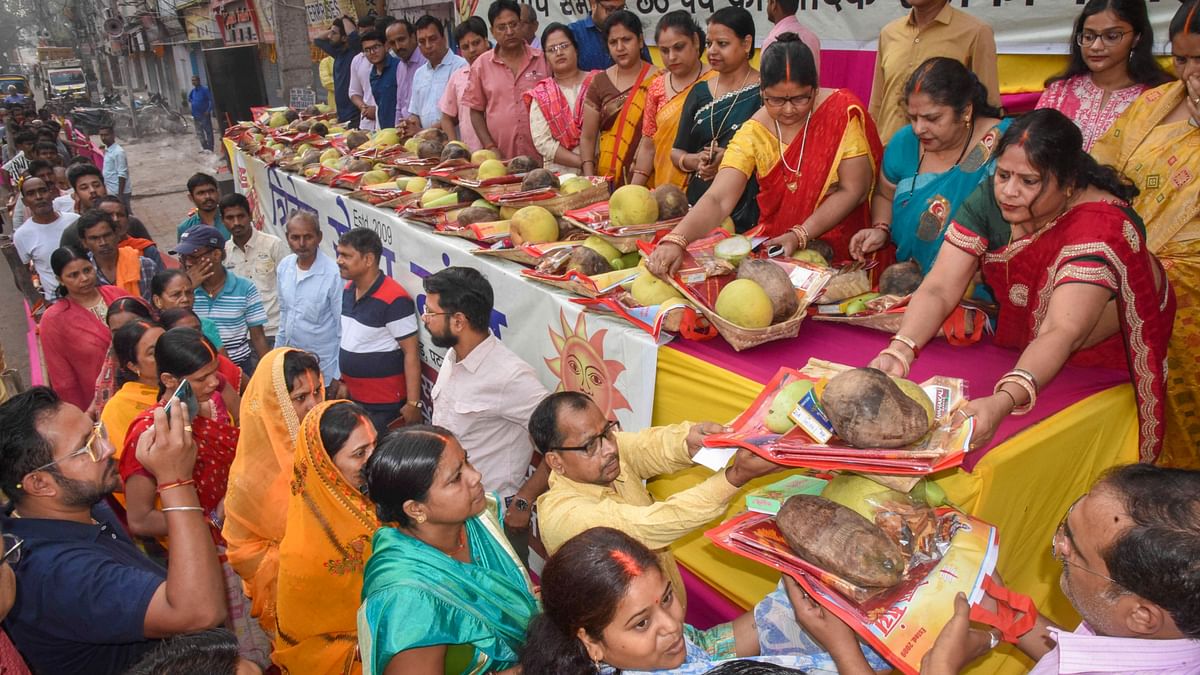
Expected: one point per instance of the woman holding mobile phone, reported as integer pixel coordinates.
(187, 375)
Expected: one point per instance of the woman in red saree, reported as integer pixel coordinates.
(1067, 259)
(815, 153)
(183, 354)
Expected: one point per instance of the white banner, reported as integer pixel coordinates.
(603, 357)
(1021, 26)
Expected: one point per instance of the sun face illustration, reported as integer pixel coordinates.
(580, 365)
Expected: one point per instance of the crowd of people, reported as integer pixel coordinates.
(234, 466)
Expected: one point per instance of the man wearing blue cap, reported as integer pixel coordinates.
(228, 300)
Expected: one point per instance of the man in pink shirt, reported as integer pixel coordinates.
(782, 13)
(499, 78)
(1129, 552)
(471, 37)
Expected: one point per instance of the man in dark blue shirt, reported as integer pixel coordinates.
(201, 101)
(88, 601)
(384, 85)
(343, 45)
(589, 36)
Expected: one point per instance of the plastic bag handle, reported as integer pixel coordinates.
(955, 328)
(1015, 614)
(694, 326)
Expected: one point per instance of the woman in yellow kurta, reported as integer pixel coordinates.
(137, 377)
(679, 41)
(613, 107)
(322, 556)
(815, 152)
(1156, 144)
(285, 386)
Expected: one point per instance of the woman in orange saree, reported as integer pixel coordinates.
(679, 40)
(615, 102)
(328, 540)
(815, 152)
(1156, 144)
(285, 386)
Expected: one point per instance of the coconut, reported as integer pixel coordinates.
(672, 202)
(475, 214)
(355, 139)
(902, 278)
(432, 134)
(453, 151)
(587, 261)
(522, 164)
(772, 278)
(429, 149)
(539, 178)
(356, 165)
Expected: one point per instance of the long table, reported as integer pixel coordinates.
(1085, 420)
(1038, 464)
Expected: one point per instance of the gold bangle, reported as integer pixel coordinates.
(899, 357)
(1024, 375)
(801, 235)
(1020, 382)
(907, 342)
(675, 238)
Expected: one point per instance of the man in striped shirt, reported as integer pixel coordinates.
(229, 301)
(379, 356)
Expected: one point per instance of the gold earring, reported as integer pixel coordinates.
(420, 519)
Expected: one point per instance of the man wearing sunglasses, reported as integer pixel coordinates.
(598, 477)
(88, 601)
(1128, 551)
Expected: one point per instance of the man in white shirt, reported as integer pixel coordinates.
(360, 91)
(310, 295)
(39, 236)
(116, 169)
(253, 255)
(63, 203)
(429, 82)
(485, 394)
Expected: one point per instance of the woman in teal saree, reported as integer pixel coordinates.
(932, 165)
(443, 590)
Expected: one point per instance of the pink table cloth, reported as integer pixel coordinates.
(980, 365)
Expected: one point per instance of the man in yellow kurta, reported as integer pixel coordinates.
(931, 28)
(598, 476)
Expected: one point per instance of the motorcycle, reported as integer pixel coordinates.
(162, 117)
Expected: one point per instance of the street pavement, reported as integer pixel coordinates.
(159, 169)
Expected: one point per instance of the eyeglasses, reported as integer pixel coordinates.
(560, 47)
(780, 101)
(593, 444)
(1063, 542)
(12, 549)
(425, 312)
(91, 449)
(1110, 38)
(506, 27)
(372, 49)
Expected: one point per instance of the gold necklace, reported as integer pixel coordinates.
(712, 132)
(792, 184)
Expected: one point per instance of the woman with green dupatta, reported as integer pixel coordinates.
(714, 110)
(444, 592)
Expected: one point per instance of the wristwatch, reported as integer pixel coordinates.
(419, 405)
(520, 503)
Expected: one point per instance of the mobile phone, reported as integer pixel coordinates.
(185, 396)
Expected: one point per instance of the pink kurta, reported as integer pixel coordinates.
(1081, 100)
(498, 92)
(452, 104)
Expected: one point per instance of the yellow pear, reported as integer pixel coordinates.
(491, 168)
(479, 156)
